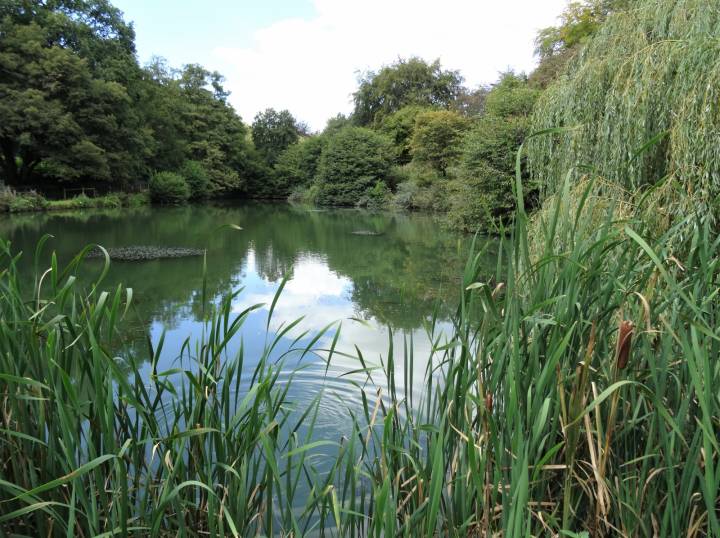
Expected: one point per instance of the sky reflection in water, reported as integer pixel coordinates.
(395, 280)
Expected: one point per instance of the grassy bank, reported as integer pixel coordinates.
(14, 202)
(578, 393)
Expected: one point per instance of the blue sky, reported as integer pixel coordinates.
(305, 55)
(187, 31)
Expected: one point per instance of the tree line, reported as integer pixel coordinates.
(76, 108)
(418, 138)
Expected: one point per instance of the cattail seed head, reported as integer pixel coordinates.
(624, 343)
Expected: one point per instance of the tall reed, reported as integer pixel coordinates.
(581, 399)
(535, 418)
(88, 449)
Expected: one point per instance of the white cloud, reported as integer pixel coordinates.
(310, 65)
(323, 296)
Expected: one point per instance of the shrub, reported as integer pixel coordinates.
(169, 187)
(399, 127)
(297, 165)
(436, 138)
(478, 202)
(493, 141)
(13, 202)
(482, 191)
(412, 195)
(354, 160)
(304, 195)
(81, 201)
(377, 197)
(197, 179)
(111, 201)
(421, 174)
(419, 187)
(137, 199)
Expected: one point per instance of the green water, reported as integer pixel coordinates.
(390, 283)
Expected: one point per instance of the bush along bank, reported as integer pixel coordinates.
(15, 202)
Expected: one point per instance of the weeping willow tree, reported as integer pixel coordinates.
(640, 106)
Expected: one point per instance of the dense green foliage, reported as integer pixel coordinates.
(346, 165)
(273, 132)
(297, 166)
(196, 178)
(354, 161)
(66, 102)
(399, 128)
(110, 124)
(188, 110)
(436, 138)
(404, 83)
(76, 108)
(14, 202)
(169, 187)
(456, 161)
(481, 192)
(641, 105)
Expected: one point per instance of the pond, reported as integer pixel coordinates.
(382, 276)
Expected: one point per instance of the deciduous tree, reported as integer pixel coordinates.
(406, 82)
(436, 138)
(353, 162)
(273, 132)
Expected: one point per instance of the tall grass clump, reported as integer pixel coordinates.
(577, 394)
(91, 447)
(14, 202)
(641, 105)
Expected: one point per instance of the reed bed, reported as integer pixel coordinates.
(576, 396)
(581, 400)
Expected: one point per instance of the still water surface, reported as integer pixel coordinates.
(391, 283)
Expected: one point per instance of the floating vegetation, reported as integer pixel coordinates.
(140, 253)
(366, 232)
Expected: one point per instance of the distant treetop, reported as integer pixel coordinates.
(406, 82)
(274, 131)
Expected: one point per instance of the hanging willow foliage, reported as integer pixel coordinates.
(641, 105)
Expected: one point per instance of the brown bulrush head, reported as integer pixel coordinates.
(624, 343)
(489, 402)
